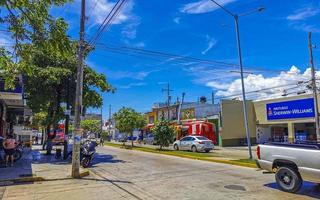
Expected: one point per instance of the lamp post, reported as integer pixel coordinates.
(236, 19)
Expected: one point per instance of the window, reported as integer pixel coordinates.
(202, 138)
(185, 139)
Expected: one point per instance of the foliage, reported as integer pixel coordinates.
(127, 119)
(47, 58)
(28, 22)
(92, 125)
(163, 133)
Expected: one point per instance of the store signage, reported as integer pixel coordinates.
(302, 108)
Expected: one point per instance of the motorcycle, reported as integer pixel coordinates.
(18, 152)
(87, 151)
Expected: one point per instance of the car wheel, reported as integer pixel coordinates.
(288, 179)
(194, 149)
(207, 151)
(176, 147)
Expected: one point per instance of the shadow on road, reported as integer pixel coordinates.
(308, 189)
(103, 158)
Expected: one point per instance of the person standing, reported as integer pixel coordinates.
(101, 141)
(37, 139)
(9, 145)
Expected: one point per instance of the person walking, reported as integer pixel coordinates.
(9, 145)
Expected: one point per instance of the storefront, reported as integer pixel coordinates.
(289, 119)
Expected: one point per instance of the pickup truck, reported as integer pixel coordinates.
(291, 163)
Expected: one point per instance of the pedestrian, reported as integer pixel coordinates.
(37, 139)
(101, 141)
(9, 145)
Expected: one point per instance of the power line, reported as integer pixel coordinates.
(107, 21)
(175, 57)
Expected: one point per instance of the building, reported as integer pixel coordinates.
(189, 111)
(14, 114)
(288, 119)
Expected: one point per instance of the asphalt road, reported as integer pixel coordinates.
(127, 174)
(143, 175)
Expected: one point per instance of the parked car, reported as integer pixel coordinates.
(194, 143)
(121, 138)
(291, 163)
(149, 139)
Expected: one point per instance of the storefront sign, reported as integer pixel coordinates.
(302, 108)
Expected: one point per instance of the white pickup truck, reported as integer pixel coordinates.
(291, 163)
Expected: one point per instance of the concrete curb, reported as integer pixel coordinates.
(230, 162)
(83, 174)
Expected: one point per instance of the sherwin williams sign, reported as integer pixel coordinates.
(301, 108)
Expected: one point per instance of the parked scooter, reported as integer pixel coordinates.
(18, 152)
(87, 151)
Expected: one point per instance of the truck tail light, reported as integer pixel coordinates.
(258, 152)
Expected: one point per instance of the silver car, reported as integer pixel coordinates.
(194, 143)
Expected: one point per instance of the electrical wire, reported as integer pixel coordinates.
(107, 21)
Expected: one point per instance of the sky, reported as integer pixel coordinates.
(274, 48)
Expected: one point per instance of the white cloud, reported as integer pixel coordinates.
(306, 28)
(130, 30)
(177, 20)
(203, 6)
(103, 7)
(116, 75)
(285, 82)
(130, 85)
(211, 42)
(303, 13)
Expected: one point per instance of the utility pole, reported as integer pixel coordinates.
(168, 98)
(314, 89)
(101, 124)
(244, 104)
(66, 123)
(212, 97)
(180, 107)
(75, 173)
(109, 124)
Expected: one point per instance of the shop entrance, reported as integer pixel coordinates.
(305, 132)
(272, 133)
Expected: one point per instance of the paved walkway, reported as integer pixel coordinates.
(34, 163)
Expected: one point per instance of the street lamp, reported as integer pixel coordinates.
(236, 18)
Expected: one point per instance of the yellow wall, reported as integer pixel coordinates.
(233, 129)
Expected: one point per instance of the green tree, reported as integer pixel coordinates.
(127, 119)
(92, 125)
(27, 22)
(163, 133)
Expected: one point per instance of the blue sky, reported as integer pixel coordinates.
(273, 40)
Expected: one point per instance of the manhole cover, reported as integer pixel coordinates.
(235, 187)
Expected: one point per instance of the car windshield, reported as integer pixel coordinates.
(202, 138)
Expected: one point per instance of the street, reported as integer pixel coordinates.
(128, 174)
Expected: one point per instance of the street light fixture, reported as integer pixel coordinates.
(236, 18)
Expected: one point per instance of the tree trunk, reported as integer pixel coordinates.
(131, 139)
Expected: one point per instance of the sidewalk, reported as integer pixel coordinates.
(36, 166)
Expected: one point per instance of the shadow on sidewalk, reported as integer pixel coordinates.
(308, 189)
